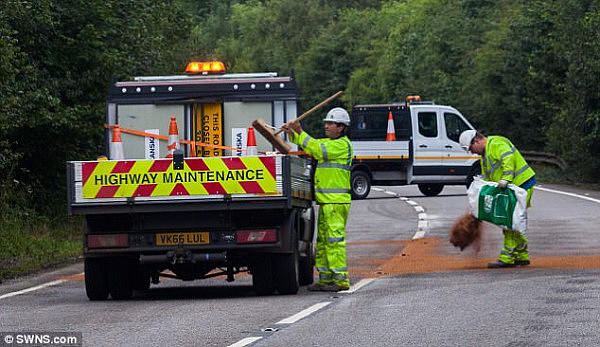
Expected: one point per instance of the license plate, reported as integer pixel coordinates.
(174, 239)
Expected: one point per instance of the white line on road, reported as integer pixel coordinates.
(357, 286)
(418, 235)
(246, 341)
(304, 313)
(27, 290)
(569, 194)
(423, 224)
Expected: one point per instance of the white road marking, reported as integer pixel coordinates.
(422, 225)
(357, 286)
(246, 341)
(27, 290)
(418, 235)
(568, 194)
(304, 313)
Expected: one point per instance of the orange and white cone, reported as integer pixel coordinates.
(173, 138)
(251, 143)
(391, 130)
(116, 145)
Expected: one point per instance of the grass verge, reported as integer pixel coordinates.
(31, 244)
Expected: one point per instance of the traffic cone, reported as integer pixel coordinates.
(391, 130)
(116, 145)
(251, 143)
(173, 138)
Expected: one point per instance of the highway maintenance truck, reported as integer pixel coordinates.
(415, 142)
(210, 209)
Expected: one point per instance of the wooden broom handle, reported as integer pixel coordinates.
(307, 113)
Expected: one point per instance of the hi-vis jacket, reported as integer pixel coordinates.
(502, 161)
(332, 176)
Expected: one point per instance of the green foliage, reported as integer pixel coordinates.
(58, 59)
(525, 69)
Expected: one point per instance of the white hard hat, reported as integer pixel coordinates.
(338, 115)
(466, 137)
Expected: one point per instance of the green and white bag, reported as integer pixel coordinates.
(506, 208)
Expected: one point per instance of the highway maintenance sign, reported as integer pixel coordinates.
(200, 176)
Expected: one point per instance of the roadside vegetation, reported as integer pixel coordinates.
(526, 69)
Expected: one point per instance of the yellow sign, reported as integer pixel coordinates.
(174, 239)
(208, 129)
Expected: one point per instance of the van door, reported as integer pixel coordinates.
(456, 162)
(427, 144)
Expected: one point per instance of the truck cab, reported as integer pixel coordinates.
(410, 143)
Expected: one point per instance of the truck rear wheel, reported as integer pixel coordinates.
(120, 283)
(431, 189)
(96, 282)
(305, 277)
(287, 268)
(262, 275)
(360, 184)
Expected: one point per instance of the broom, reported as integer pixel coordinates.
(272, 136)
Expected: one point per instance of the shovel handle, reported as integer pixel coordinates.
(307, 113)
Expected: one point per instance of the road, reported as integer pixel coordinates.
(418, 292)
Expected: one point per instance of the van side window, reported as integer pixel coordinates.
(454, 126)
(428, 124)
(370, 124)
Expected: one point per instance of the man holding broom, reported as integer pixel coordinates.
(501, 162)
(332, 193)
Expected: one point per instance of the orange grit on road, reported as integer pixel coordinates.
(427, 255)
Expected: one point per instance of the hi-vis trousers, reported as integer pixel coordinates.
(330, 259)
(515, 243)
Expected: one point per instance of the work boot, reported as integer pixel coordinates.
(334, 287)
(522, 262)
(499, 264)
(317, 287)
(326, 287)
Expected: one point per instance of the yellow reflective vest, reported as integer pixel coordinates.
(502, 161)
(332, 176)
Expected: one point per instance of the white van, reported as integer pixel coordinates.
(411, 143)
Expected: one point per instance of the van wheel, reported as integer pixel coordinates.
(431, 189)
(96, 281)
(360, 184)
(474, 171)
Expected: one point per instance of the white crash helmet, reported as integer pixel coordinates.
(338, 115)
(466, 137)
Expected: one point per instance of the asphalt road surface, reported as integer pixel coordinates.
(411, 287)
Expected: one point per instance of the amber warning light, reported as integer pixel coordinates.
(205, 68)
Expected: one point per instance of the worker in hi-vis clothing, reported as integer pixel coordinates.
(501, 162)
(332, 193)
